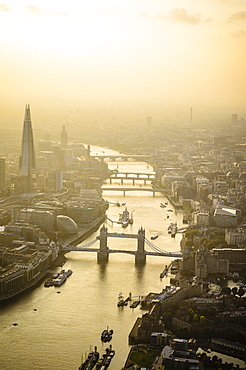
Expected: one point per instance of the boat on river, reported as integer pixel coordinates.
(49, 282)
(106, 335)
(134, 304)
(106, 358)
(122, 302)
(62, 277)
(90, 361)
(125, 218)
(153, 237)
(174, 229)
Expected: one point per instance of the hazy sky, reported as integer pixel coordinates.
(111, 52)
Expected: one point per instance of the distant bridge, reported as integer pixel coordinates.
(144, 176)
(103, 251)
(125, 189)
(142, 157)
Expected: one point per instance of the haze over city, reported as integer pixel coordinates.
(154, 57)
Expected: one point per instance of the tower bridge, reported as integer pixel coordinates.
(103, 251)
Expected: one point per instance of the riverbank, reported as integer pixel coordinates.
(83, 233)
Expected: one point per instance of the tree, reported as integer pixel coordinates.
(241, 292)
(234, 290)
(202, 320)
(226, 290)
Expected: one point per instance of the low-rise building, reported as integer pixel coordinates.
(226, 216)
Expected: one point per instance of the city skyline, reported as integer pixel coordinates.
(131, 54)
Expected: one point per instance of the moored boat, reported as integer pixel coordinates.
(106, 335)
(106, 358)
(122, 302)
(60, 279)
(49, 282)
(174, 229)
(169, 229)
(134, 304)
(90, 361)
(125, 218)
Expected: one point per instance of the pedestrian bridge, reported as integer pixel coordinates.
(103, 251)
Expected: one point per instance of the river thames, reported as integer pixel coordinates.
(56, 331)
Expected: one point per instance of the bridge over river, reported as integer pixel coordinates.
(125, 189)
(103, 251)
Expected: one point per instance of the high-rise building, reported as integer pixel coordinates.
(27, 163)
(64, 137)
(234, 119)
(149, 122)
(2, 174)
(191, 115)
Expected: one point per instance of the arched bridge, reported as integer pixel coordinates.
(103, 251)
(134, 176)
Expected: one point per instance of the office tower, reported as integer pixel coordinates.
(2, 174)
(234, 119)
(27, 164)
(64, 137)
(191, 114)
(149, 122)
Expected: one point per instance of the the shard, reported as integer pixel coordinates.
(27, 164)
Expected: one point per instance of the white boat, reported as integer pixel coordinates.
(174, 229)
(60, 279)
(153, 237)
(125, 218)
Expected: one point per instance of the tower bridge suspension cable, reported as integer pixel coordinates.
(82, 247)
(67, 247)
(157, 249)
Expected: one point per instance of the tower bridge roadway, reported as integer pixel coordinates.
(86, 247)
(110, 251)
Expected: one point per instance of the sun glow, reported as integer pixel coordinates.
(139, 49)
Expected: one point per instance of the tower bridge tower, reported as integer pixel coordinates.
(140, 255)
(103, 253)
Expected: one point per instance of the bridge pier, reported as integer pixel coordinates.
(103, 253)
(140, 255)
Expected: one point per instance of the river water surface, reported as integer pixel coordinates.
(56, 330)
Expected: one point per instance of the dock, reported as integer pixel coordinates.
(165, 271)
